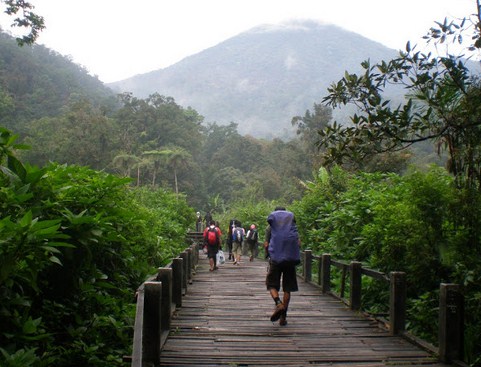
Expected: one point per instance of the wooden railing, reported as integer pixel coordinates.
(160, 295)
(157, 299)
(451, 302)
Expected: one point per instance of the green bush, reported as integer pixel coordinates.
(74, 245)
(418, 223)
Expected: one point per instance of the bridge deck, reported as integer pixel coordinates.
(224, 321)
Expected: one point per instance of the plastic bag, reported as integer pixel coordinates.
(220, 257)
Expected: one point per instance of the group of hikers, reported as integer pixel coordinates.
(281, 246)
(238, 241)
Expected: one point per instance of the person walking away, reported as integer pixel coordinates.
(251, 240)
(282, 242)
(238, 234)
(198, 223)
(212, 239)
(229, 238)
(207, 218)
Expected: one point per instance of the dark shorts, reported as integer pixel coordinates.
(212, 251)
(285, 271)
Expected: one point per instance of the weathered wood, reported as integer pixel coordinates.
(397, 302)
(355, 285)
(451, 315)
(374, 274)
(190, 265)
(164, 275)
(185, 265)
(326, 273)
(224, 321)
(137, 348)
(151, 330)
(177, 280)
(307, 272)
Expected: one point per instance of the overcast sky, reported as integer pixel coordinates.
(117, 39)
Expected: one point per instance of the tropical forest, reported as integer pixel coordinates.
(98, 190)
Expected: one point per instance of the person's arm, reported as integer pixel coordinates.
(267, 237)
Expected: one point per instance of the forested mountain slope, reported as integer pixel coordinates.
(36, 82)
(261, 78)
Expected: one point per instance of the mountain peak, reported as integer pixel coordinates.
(263, 77)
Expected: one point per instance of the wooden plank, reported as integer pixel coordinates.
(224, 321)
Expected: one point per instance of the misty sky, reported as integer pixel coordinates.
(117, 39)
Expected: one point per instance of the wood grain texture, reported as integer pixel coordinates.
(224, 321)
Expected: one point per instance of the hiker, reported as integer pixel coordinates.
(251, 240)
(283, 245)
(229, 238)
(238, 234)
(212, 240)
(198, 222)
(207, 218)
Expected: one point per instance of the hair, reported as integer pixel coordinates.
(279, 208)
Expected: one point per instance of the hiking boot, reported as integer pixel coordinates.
(278, 312)
(283, 320)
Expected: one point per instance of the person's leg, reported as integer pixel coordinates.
(273, 282)
(235, 252)
(289, 284)
(211, 263)
(240, 253)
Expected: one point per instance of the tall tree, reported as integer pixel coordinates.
(29, 20)
(176, 157)
(308, 127)
(442, 106)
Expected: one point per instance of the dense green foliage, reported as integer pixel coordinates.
(406, 223)
(37, 82)
(75, 244)
(79, 235)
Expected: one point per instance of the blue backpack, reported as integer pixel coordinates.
(237, 235)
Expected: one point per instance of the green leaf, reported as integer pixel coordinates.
(55, 260)
(16, 167)
(26, 220)
(30, 326)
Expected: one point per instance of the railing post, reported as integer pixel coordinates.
(326, 273)
(451, 324)
(164, 275)
(177, 278)
(190, 263)
(397, 302)
(185, 264)
(307, 268)
(355, 285)
(151, 331)
(195, 249)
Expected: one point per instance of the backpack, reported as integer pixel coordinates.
(252, 235)
(237, 235)
(212, 236)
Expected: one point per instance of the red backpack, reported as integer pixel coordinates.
(212, 236)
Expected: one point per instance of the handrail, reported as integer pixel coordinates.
(160, 295)
(451, 303)
(157, 299)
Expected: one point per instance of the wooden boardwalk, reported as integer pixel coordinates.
(224, 321)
